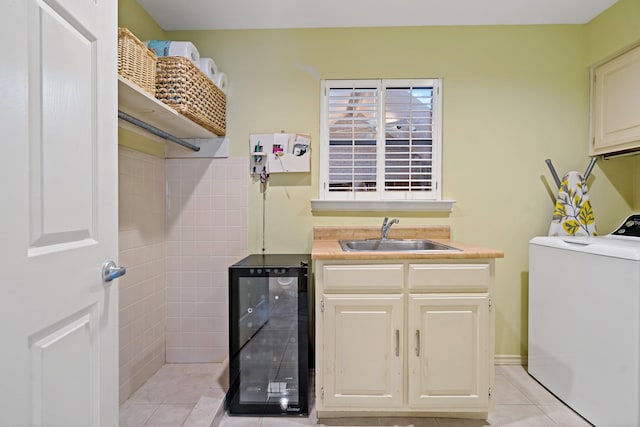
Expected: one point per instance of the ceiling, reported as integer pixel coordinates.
(260, 14)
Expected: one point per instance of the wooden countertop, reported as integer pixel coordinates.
(326, 246)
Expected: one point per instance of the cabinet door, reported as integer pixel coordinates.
(363, 351)
(449, 364)
(615, 102)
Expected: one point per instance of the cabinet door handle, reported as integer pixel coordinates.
(397, 343)
(417, 342)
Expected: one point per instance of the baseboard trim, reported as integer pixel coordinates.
(510, 359)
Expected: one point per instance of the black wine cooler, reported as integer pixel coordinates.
(269, 335)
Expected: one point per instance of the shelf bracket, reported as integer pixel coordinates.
(154, 130)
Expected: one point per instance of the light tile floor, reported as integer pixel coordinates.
(191, 396)
(187, 395)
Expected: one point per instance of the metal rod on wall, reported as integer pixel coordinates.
(158, 132)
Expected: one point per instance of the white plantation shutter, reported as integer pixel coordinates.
(353, 132)
(408, 139)
(380, 140)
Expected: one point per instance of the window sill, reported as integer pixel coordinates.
(442, 206)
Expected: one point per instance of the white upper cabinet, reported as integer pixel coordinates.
(615, 104)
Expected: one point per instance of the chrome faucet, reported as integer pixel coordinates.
(386, 225)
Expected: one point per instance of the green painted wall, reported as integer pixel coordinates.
(133, 17)
(613, 30)
(513, 96)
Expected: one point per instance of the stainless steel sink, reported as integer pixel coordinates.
(394, 245)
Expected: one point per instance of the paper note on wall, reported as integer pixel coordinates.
(283, 152)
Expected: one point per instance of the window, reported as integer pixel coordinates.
(380, 140)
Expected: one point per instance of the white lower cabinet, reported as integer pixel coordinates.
(449, 356)
(420, 343)
(362, 350)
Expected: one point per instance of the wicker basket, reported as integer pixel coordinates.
(136, 62)
(182, 86)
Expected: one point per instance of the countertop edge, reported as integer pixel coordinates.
(326, 246)
(331, 250)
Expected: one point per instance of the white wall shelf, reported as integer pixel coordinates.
(137, 103)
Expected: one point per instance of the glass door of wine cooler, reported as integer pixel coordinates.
(268, 343)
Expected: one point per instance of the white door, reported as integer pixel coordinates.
(363, 351)
(449, 364)
(58, 207)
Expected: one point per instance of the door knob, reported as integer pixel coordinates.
(111, 271)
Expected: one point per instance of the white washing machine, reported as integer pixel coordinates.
(584, 322)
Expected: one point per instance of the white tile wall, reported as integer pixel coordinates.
(207, 230)
(142, 250)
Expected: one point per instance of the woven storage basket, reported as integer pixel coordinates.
(136, 62)
(182, 86)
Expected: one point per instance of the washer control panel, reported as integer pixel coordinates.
(630, 227)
